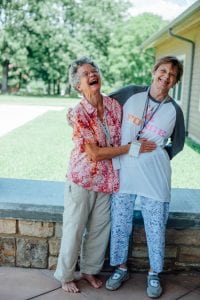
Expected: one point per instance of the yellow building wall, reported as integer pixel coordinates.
(182, 49)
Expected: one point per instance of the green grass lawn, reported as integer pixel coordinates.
(186, 168)
(40, 149)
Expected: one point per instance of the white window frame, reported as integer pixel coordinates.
(176, 92)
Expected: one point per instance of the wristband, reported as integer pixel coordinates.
(135, 149)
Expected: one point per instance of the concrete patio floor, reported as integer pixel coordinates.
(26, 284)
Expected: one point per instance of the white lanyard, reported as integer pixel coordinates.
(105, 129)
(104, 126)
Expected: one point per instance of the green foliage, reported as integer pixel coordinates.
(48, 53)
(128, 64)
(12, 47)
(185, 173)
(195, 146)
(38, 40)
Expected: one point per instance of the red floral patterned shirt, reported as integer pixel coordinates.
(98, 176)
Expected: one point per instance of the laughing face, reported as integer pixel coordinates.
(89, 80)
(165, 77)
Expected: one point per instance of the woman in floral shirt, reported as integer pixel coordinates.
(86, 219)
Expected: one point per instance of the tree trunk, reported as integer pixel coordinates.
(20, 80)
(4, 83)
(54, 87)
(58, 88)
(49, 88)
(68, 89)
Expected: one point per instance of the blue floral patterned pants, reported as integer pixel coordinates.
(155, 215)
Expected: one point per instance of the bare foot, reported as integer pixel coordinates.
(95, 282)
(70, 287)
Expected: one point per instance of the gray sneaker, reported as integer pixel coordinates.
(154, 289)
(116, 279)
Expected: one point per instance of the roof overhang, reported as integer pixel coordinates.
(188, 18)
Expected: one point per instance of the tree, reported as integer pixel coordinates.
(88, 27)
(38, 40)
(48, 52)
(33, 40)
(94, 25)
(128, 64)
(12, 48)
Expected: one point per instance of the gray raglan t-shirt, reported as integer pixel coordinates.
(149, 174)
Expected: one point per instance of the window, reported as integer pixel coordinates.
(177, 91)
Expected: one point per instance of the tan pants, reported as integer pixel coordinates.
(86, 230)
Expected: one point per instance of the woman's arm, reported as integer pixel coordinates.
(96, 153)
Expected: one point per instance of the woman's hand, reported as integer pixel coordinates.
(147, 146)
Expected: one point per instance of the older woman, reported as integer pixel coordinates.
(150, 113)
(86, 220)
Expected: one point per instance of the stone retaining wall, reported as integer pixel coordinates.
(35, 244)
(31, 227)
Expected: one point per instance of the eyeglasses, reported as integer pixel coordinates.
(87, 74)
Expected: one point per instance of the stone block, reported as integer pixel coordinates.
(139, 236)
(139, 251)
(32, 228)
(138, 264)
(189, 254)
(58, 230)
(8, 261)
(183, 237)
(186, 266)
(31, 253)
(171, 251)
(52, 262)
(7, 251)
(7, 226)
(54, 246)
(169, 264)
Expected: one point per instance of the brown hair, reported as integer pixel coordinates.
(170, 60)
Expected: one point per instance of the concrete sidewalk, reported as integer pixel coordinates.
(14, 116)
(26, 284)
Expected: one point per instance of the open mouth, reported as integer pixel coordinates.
(93, 82)
(163, 82)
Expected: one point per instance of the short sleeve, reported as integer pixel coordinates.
(83, 129)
